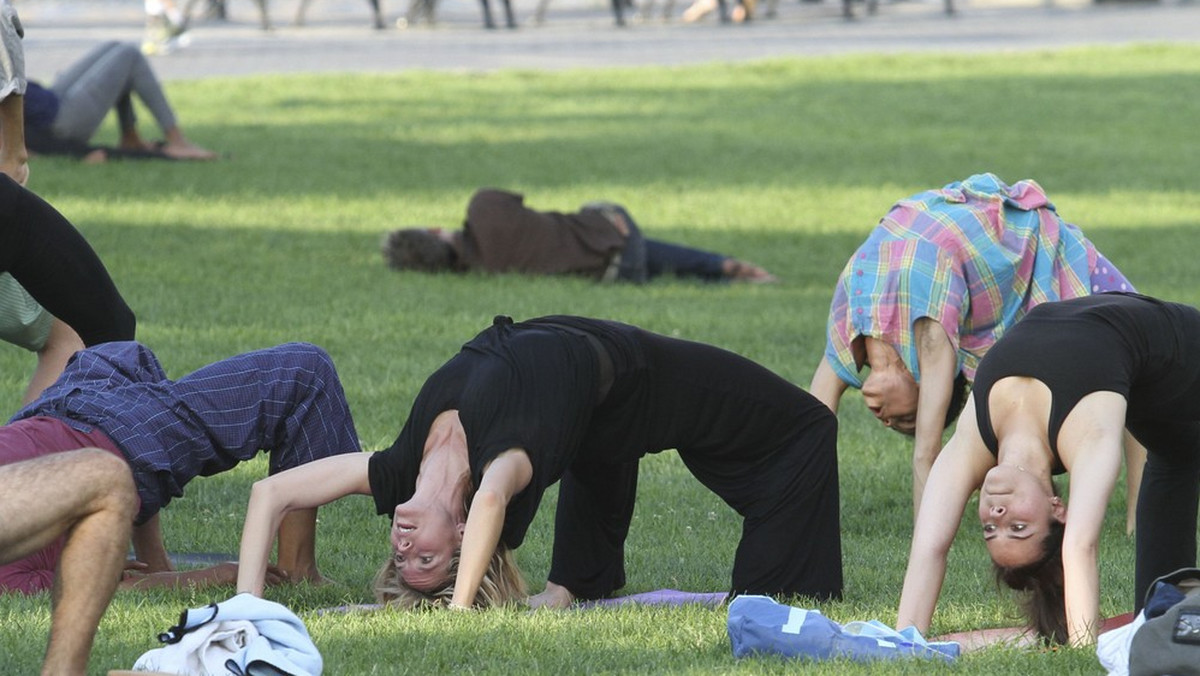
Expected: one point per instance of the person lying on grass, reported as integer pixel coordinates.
(115, 396)
(1055, 395)
(600, 241)
(944, 274)
(578, 401)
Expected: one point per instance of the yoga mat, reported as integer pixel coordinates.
(200, 559)
(660, 597)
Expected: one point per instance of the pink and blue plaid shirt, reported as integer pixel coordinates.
(973, 256)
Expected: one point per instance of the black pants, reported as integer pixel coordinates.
(765, 446)
(56, 265)
(1167, 502)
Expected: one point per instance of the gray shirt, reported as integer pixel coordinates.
(12, 56)
(22, 320)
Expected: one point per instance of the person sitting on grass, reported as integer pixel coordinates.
(286, 400)
(578, 401)
(600, 241)
(61, 120)
(1053, 395)
(944, 274)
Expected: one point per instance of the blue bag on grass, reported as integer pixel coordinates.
(759, 625)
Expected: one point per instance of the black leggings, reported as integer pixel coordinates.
(56, 265)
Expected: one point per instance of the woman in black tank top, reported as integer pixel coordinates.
(1053, 395)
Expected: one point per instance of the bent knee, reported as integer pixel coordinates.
(110, 479)
(125, 323)
(820, 421)
(119, 324)
(125, 50)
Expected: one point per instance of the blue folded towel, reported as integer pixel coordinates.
(760, 625)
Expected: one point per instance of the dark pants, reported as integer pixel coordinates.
(1167, 503)
(765, 446)
(643, 259)
(56, 265)
(663, 258)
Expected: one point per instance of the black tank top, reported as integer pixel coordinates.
(1133, 345)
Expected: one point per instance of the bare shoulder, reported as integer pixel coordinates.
(930, 334)
(1096, 425)
(965, 455)
(508, 473)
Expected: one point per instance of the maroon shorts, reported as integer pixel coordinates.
(34, 438)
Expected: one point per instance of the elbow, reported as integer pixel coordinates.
(263, 493)
(125, 322)
(120, 324)
(489, 500)
(929, 551)
(261, 487)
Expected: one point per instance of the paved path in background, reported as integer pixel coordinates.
(580, 33)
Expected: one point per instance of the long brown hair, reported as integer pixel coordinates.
(1040, 585)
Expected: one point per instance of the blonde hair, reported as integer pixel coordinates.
(502, 581)
(502, 584)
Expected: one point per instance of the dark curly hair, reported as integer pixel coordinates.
(418, 249)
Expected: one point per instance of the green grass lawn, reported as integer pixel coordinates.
(786, 163)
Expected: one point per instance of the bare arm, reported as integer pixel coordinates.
(1090, 444)
(13, 155)
(505, 476)
(826, 386)
(310, 485)
(1135, 465)
(14, 158)
(956, 474)
(148, 546)
(153, 568)
(52, 359)
(939, 366)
